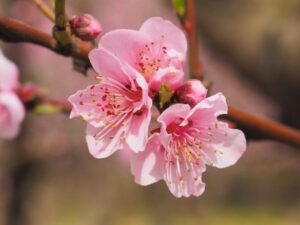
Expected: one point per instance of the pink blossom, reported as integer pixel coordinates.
(12, 110)
(117, 109)
(85, 27)
(9, 74)
(191, 92)
(12, 113)
(189, 139)
(157, 50)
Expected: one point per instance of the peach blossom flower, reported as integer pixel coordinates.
(12, 110)
(157, 50)
(117, 109)
(189, 139)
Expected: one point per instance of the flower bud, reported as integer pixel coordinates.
(86, 27)
(191, 92)
(28, 92)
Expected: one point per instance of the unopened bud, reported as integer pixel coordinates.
(86, 27)
(191, 92)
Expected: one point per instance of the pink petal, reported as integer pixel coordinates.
(84, 105)
(124, 44)
(174, 112)
(9, 74)
(206, 111)
(169, 75)
(148, 166)
(165, 32)
(107, 65)
(106, 145)
(188, 185)
(228, 145)
(138, 129)
(14, 114)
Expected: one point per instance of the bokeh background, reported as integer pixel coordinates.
(250, 50)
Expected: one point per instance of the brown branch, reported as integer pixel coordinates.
(261, 128)
(190, 25)
(15, 31)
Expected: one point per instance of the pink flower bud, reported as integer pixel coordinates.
(86, 27)
(191, 92)
(28, 92)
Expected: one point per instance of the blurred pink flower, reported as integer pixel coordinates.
(85, 27)
(12, 110)
(117, 109)
(189, 139)
(157, 50)
(191, 92)
(12, 113)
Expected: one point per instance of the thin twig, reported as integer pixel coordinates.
(45, 9)
(60, 15)
(15, 31)
(60, 31)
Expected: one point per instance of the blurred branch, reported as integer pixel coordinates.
(262, 128)
(12, 30)
(45, 9)
(254, 127)
(189, 23)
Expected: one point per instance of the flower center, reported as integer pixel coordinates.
(184, 151)
(151, 58)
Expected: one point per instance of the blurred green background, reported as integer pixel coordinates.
(250, 51)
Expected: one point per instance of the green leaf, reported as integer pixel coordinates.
(179, 6)
(165, 95)
(44, 109)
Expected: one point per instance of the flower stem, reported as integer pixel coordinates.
(60, 31)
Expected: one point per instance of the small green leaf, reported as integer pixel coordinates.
(165, 95)
(179, 6)
(44, 109)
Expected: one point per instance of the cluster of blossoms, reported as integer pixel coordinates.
(134, 67)
(12, 111)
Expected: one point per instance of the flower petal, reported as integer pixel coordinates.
(165, 32)
(207, 111)
(106, 145)
(228, 145)
(84, 103)
(148, 166)
(15, 113)
(188, 184)
(108, 66)
(124, 44)
(173, 113)
(138, 129)
(169, 75)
